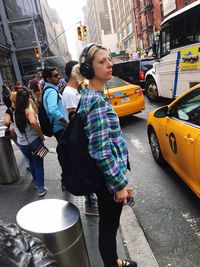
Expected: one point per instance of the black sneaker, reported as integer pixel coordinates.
(41, 191)
(129, 263)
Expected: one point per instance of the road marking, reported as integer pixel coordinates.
(193, 223)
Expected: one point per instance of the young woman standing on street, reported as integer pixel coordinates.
(107, 146)
(29, 137)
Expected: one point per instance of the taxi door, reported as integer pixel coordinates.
(182, 151)
(183, 139)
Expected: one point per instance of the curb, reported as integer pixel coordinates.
(134, 239)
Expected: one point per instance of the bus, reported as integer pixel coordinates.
(177, 53)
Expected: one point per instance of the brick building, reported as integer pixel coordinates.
(148, 17)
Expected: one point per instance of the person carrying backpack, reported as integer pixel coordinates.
(71, 98)
(52, 101)
(107, 146)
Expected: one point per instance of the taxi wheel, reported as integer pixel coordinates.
(155, 147)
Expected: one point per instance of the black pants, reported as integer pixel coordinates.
(58, 134)
(109, 217)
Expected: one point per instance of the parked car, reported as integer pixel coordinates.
(126, 98)
(174, 136)
(133, 71)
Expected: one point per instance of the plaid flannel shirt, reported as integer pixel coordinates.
(106, 141)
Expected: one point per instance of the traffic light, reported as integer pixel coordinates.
(84, 30)
(79, 33)
(37, 52)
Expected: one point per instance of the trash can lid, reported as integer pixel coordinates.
(47, 216)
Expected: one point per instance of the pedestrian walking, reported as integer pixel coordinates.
(107, 146)
(29, 138)
(52, 101)
(71, 98)
(8, 121)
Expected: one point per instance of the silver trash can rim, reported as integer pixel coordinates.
(47, 216)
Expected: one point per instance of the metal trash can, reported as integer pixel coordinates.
(57, 223)
(9, 171)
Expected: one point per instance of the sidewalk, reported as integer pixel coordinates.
(131, 240)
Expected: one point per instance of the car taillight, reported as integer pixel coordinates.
(139, 91)
(141, 75)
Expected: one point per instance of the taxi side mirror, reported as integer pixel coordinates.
(161, 112)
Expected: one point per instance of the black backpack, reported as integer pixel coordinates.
(45, 124)
(80, 173)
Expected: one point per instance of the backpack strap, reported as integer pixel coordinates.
(78, 106)
(58, 97)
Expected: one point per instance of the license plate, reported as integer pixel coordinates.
(125, 99)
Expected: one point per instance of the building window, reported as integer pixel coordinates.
(21, 9)
(126, 45)
(129, 28)
(2, 36)
(131, 42)
(124, 33)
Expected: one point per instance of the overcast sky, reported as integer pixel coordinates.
(70, 12)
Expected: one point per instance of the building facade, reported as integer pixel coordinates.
(111, 23)
(148, 15)
(125, 26)
(22, 28)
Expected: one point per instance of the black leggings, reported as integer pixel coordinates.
(58, 134)
(109, 217)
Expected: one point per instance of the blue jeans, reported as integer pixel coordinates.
(36, 163)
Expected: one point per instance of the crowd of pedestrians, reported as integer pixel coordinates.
(107, 145)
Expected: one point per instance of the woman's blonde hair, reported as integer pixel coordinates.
(88, 58)
(13, 98)
(76, 74)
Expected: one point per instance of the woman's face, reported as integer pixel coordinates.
(102, 65)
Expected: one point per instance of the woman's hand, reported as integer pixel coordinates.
(42, 137)
(121, 196)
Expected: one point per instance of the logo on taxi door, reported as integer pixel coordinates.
(172, 142)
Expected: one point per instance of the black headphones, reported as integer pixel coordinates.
(86, 68)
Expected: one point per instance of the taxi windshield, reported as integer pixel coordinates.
(115, 82)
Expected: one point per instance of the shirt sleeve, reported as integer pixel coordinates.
(100, 147)
(51, 104)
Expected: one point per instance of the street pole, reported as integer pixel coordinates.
(38, 43)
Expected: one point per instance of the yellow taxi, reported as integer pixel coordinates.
(174, 136)
(126, 98)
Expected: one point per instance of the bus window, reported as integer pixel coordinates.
(178, 26)
(197, 33)
(193, 29)
(165, 42)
